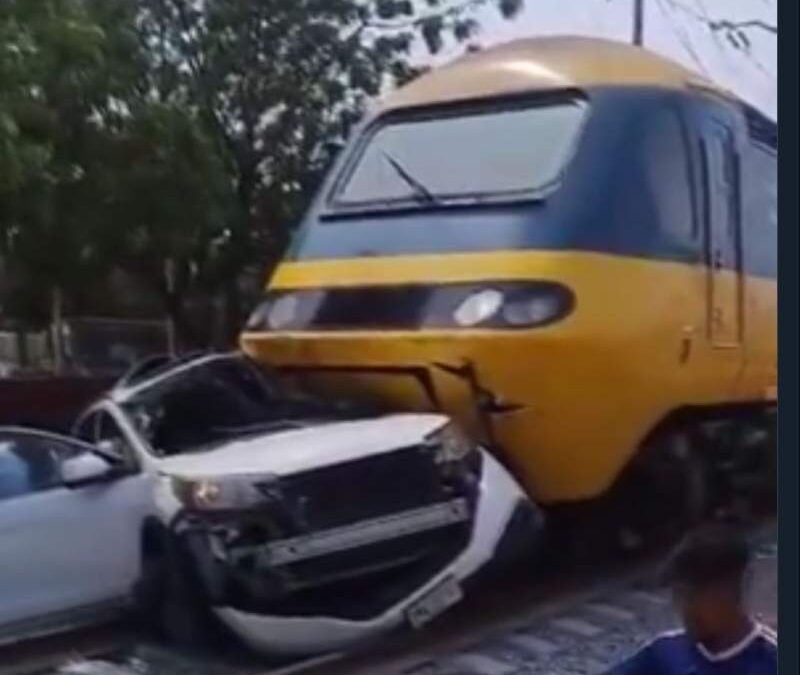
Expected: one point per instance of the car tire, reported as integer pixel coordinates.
(169, 600)
(149, 588)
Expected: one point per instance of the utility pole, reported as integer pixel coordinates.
(169, 276)
(57, 328)
(638, 22)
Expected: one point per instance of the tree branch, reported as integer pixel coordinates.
(461, 7)
(723, 25)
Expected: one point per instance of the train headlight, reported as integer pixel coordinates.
(478, 307)
(495, 305)
(532, 311)
(258, 317)
(276, 312)
(511, 305)
(283, 312)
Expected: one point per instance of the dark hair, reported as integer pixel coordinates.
(708, 555)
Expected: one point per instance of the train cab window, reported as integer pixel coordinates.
(667, 167)
(463, 155)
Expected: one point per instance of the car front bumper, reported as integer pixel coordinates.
(496, 519)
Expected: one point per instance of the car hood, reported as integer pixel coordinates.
(287, 452)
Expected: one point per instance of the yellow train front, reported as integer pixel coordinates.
(588, 229)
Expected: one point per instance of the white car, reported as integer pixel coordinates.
(70, 523)
(305, 526)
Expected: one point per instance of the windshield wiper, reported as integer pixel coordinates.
(422, 193)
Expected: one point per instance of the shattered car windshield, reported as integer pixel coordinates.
(214, 402)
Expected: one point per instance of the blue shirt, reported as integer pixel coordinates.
(677, 654)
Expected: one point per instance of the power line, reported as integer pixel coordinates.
(638, 22)
(702, 15)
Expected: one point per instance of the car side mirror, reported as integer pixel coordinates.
(84, 469)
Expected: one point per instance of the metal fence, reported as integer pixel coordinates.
(89, 345)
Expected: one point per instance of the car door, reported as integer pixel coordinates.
(63, 549)
(133, 497)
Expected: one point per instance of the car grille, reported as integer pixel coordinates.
(368, 488)
(358, 582)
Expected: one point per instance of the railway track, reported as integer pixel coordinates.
(566, 623)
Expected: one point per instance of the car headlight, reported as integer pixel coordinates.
(450, 444)
(216, 493)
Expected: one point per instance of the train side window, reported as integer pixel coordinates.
(722, 193)
(760, 221)
(669, 178)
(770, 187)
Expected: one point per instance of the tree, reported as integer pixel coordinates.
(167, 203)
(53, 85)
(279, 84)
(20, 155)
(95, 172)
(141, 135)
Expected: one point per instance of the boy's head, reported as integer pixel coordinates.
(706, 573)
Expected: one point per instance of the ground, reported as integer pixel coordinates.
(582, 634)
(588, 637)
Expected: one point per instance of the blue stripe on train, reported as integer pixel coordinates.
(610, 201)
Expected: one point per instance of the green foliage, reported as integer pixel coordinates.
(146, 134)
(53, 92)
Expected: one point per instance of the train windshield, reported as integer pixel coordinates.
(462, 156)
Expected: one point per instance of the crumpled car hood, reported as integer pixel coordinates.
(288, 452)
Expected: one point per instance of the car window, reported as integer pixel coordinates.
(85, 430)
(101, 426)
(213, 403)
(30, 464)
(108, 431)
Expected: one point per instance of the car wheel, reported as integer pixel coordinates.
(170, 601)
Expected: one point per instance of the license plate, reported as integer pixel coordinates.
(434, 602)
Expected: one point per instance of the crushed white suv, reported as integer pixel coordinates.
(306, 526)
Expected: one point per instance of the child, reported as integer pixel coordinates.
(707, 576)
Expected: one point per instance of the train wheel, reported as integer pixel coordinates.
(582, 540)
(692, 481)
(665, 494)
(750, 469)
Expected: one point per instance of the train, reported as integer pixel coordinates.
(569, 244)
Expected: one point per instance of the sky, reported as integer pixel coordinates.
(670, 28)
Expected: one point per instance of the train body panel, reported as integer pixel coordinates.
(638, 278)
(590, 387)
